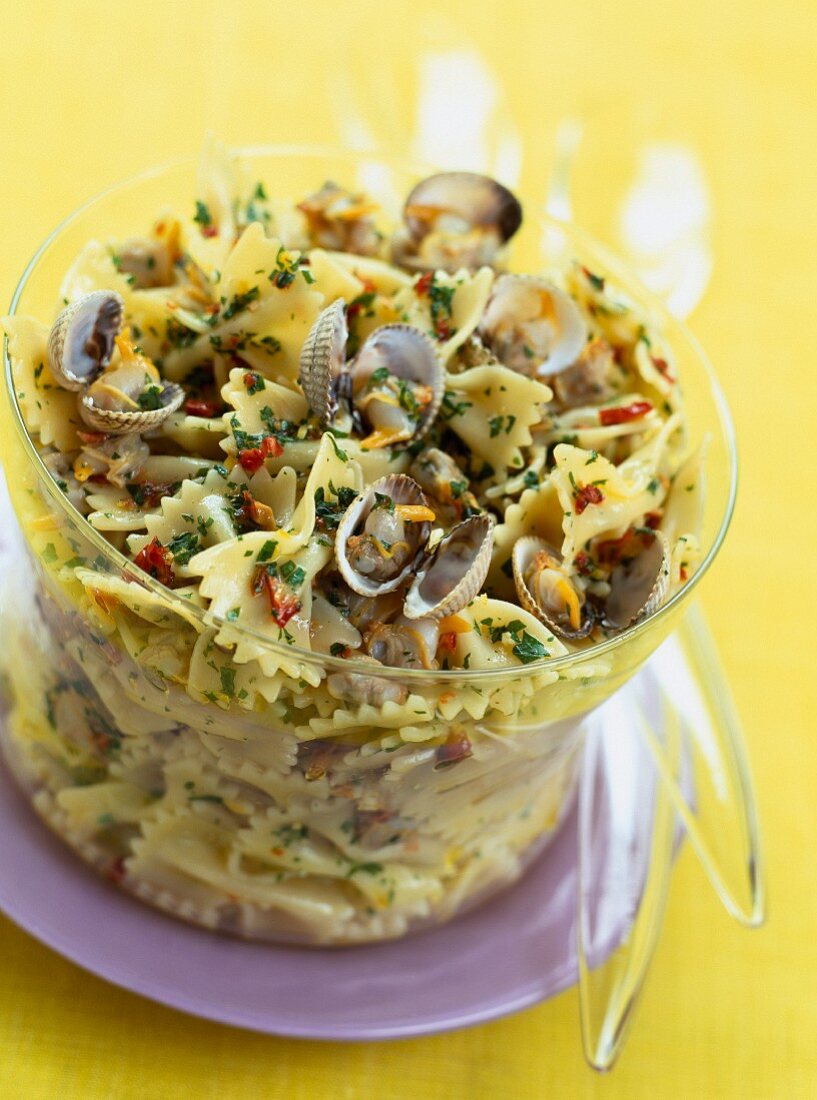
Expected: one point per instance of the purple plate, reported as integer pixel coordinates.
(512, 952)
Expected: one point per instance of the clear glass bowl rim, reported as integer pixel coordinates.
(610, 262)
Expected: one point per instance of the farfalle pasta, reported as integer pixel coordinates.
(363, 492)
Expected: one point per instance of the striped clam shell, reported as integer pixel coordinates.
(453, 573)
(524, 552)
(513, 303)
(81, 340)
(121, 422)
(401, 490)
(640, 586)
(323, 361)
(409, 354)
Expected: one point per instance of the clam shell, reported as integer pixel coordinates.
(513, 292)
(477, 200)
(323, 361)
(81, 340)
(523, 552)
(400, 489)
(119, 422)
(458, 585)
(411, 355)
(639, 588)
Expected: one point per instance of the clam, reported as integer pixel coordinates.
(129, 396)
(341, 220)
(398, 383)
(405, 643)
(453, 573)
(323, 361)
(382, 534)
(81, 341)
(439, 476)
(364, 690)
(533, 326)
(545, 589)
(392, 389)
(455, 220)
(587, 380)
(639, 585)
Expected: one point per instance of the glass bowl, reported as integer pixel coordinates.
(264, 805)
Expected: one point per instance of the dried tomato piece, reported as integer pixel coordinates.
(662, 366)
(157, 561)
(209, 231)
(254, 457)
(423, 284)
(588, 494)
(448, 641)
(624, 413)
(198, 407)
(583, 563)
(283, 604)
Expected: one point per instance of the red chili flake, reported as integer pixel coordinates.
(283, 604)
(157, 561)
(209, 231)
(442, 329)
(662, 366)
(588, 494)
(92, 439)
(583, 563)
(624, 413)
(683, 574)
(255, 457)
(199, 407)
(457, 747)
(653, 519)
(423, 284)
(448, 641)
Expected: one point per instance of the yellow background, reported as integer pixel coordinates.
(93, 91)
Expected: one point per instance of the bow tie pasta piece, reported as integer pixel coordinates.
(264, 589)
(501, 635)
(48, 410)
(266, 306)
(197, 435)
(384, 278)
(213, 232)
(198, 515)
(260, 405)
(447, 307)
(492, 410)
(599, 498)
(588, 427)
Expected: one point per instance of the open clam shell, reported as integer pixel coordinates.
(459, 202)
(118, 421)
(382, 534)
(323, 361)
(397, 412)
(81, 340)
(639, 586)
(454, 220)
(454, 572)
(532, 325)
(546, 591)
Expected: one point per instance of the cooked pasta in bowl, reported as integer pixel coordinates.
(344, 503)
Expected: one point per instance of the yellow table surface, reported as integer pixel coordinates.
(92, 92)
